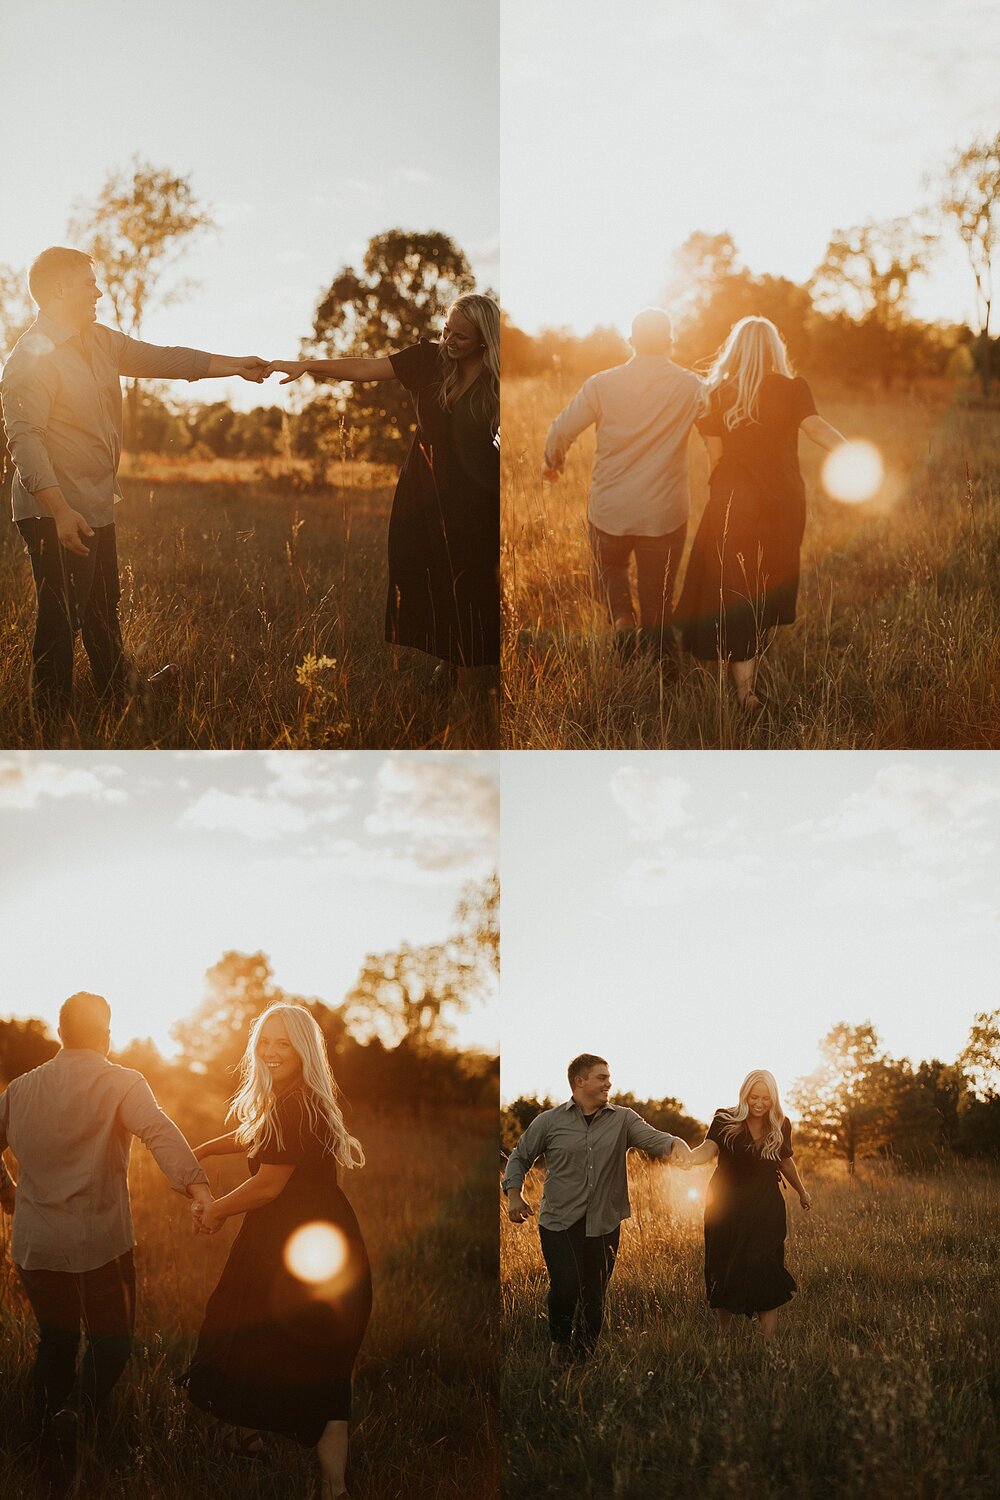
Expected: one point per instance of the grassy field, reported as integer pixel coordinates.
(884, 1380)
(424, 1422)
(898, 638)
(271, 601)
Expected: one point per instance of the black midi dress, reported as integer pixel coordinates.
(743, 573)
(444, 530)
(274, 1353)
(745, 1226)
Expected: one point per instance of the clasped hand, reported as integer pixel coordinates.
(251, 367)
(206, 1218)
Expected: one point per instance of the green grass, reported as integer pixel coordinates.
(884, 1381)
(241, 580)
(424, 1419)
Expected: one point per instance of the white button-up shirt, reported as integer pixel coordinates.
(70, 1124)
(644, 412)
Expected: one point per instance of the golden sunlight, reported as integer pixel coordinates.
(693, 1194)
(853, 472)
(316, 1253)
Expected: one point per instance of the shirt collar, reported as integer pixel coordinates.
(572, 1104)
(58, 333)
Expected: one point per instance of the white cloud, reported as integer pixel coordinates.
(930, 810)
(439, 815)
(652, 801)
(254, 816)
(664, 882)
(26, 780)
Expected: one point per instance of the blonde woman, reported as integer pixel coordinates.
(444, 531)
(744, 1208)
(743, 574)
(275, 1354)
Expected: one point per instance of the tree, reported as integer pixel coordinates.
(140, 225)
(867, 273)
(478, 917)
(238, 988)
(24, 1045)
(980, 1060)
(15, 307)
(844, 1104)
(402, 292)
(971, 200)
(410, 995)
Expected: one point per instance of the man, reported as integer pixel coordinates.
(639, 494)
(585, 1142)
(62, 407)
(70, 1124)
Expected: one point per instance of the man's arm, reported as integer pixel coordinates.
(580, 414)
(519, 1164)
(27, 406)
(7, 1183)
(647, 1138)
(137, 361)
(140, 1114)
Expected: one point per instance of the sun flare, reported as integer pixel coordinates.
(316, 1253)
(853, 473)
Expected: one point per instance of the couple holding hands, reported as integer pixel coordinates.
(585, 1143)
(275, 1351)
(62, 410)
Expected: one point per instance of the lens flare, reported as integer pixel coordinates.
(316, 1253)
(853, 472)
(692, 1193)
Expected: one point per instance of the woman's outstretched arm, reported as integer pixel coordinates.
(334, 369)
(707, 1151)
(790, 1173)
(222, 1145)
(255, 1192)
(818, 430)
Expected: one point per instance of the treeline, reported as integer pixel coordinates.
(861, 1103)
(390, 1041)
(852, 318)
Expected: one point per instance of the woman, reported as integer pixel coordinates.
(444, 531)
(274, 1353)
(744, 1210)
(743, 574)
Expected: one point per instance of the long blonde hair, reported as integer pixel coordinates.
(753, 349)
(733, 1120)
(484, 314)
(254, 1104)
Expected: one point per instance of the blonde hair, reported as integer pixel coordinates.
(484, 314)
(255, 1103)
(753, 349)
(733, 1120)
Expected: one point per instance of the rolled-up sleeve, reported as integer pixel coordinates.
(140, 1114)
(581, 412)
(647, 1138)
(26, 399)
(525, 1153)
(137, 360)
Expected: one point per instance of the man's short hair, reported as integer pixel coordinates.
(581, 1066)
(84, 1020)
(50, 268)
(652, 331)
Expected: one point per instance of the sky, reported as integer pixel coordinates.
(692, 916)
(309, 126)
(130, 874)
(626, 128)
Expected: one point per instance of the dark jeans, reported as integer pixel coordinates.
(73, 593)
(104, 1299)
(579, 1266)
(656, 563)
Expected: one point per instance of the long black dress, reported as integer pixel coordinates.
(271, 1354)
(745, 1226)
(743, 573)
(444, 531)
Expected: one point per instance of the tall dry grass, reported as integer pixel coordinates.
(898, 638)
(424, 1420)
(270, 599)
(884, 1381)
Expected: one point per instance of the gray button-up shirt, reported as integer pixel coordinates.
(62, 408)
(70, 1124)
(644, 412)
(584, 1164)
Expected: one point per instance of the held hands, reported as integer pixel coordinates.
(518, 1209)
(292, 369)
(251, 367)
(206, 1218)
(680, 1155)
